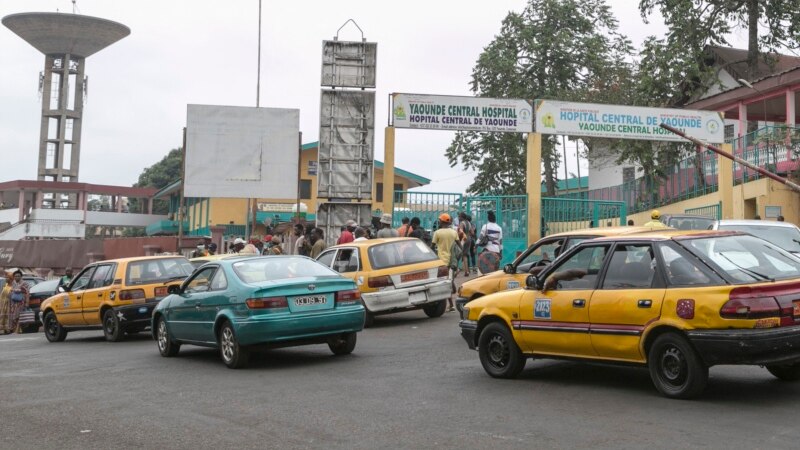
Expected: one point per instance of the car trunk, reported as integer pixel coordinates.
(305, 294)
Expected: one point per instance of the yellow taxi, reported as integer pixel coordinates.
(393, 275)
(676, 302)
(117, 296)
(536, 257)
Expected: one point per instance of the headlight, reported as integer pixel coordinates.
(464, 313)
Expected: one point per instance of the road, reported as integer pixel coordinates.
(411, 383)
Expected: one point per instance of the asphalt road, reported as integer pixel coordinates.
(411, 383)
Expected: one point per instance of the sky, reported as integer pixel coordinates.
(184, 52)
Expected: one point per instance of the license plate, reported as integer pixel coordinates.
(311, 300)
(405, 278)
(416, 297)
(796, 308)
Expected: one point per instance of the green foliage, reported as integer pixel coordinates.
(562, 49)
(160, 175)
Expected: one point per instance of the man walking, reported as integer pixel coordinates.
(444, 238)
(317, 242)
(491, 238)
(347, 233)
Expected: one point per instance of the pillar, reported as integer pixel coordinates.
(388, 171)
(533, 186)
(725, 181)
(21, 205)
(790, 115)
(742, 120)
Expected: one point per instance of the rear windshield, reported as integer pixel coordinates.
(690, 223)
(745, 259)
(149, 271)
(255, 270)
(399, 253)
(787, 238)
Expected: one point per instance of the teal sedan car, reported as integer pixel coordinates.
(246, 303)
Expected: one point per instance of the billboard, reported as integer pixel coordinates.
(349, 64)
(241, 152)
(440, 112)
(626, 122)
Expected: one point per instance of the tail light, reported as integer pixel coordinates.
(348, 297)
(267, 303)
(443, 272)
(34, 301)
(750, 308)
(161, 291)
(131, 294)
(379, 282)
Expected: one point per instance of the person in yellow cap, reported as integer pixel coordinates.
(655, 220)
(443, 239)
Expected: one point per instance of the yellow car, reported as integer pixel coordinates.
(537, 256)
(117, 296)
(676, 302)
(393, 275)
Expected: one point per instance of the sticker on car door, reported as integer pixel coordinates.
(541, 309)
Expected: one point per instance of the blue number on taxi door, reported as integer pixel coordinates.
(541, 309)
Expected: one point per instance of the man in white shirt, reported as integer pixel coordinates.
(494, 236)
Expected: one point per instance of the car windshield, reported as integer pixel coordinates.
(256, 270)
(398, 253)
(149, 271)
(690, 223)
(45, 286)
(787, 238)
(745, 259)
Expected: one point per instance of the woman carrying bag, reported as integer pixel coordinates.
(13, 301)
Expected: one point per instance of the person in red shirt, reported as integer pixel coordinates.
(404, 228)
(347, 234)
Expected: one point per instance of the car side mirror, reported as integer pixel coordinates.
(61, 289)
(531, 282)
(174, 289)
(509, 269)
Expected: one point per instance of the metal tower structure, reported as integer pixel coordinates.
(66, 41)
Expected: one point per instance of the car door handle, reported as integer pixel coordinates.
(197, 305)
(646, 303)
(579, 303)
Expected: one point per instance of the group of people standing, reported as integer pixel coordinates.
(13, 301)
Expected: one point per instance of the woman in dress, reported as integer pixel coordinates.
(13, 300)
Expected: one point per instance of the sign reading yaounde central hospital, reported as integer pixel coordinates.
(441, 112)
(626, 122)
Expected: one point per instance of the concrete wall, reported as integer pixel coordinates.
(121, 219)
(10, 215)
(62, 215)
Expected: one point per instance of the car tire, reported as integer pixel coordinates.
(112, 329)
(785, 372)
(499, 354)
(164, 341)
(369, 319)
(435, 309)
(343, 344)
(675, 368)
(53, 331)
(234, 355)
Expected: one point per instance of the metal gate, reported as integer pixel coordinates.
(567, 214)
(425, 205)
(511, 212)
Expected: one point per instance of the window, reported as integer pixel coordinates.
(148, 271)
(82, 280)
(102, 277)
(399, 253)
(729, 133)
(219, 282)
(346, 260)
(547, 250)
(398, 198)
(683, 270)
(201, 281)
(305, 189)
(326, 258)
(745, 259)
(631, 267)
(580, 270)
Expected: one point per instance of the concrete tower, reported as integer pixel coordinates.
(66, 41)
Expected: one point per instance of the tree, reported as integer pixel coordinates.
(696, 23)
(552, 49)
(160, 175)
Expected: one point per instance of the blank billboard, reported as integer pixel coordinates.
(241, 152)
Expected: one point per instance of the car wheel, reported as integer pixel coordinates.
(498, 352)
(233, 355)
(112, 329)
(163, 340)
(342, 344)
(53, 330)
(785, 372)
(369, 319)
(675, 368)
(435, 309)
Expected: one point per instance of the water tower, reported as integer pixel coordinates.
(66, 41)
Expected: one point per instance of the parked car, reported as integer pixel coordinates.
(237, 304)
(676, 302)
(536, 257)
(28, 279)
(117, 296)
(393, 275)
(38, 293)
(783, 234)
(687, 221)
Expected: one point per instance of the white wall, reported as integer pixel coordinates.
(604, 171)
(62, 215)
(121, 219)
(9, 215)
(63, 230)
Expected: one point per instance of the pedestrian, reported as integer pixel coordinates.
(444, 238)
(212, 249)
(404, 228)
(781, 219)
(386, 230)
(301, 246)
(360, 235)
(251, 248)
(273, 247)
(347, 234)
(317, 242)
(199, 251)
(472, 249)
(238, 245)
(13, 300)
(491, 239)
(415, 230)
(465, 233)
(655, 220)
(66, 279)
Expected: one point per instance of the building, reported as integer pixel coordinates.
(228, 216)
